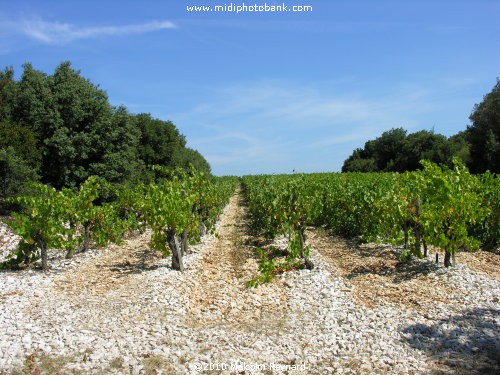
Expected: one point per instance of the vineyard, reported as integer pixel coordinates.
(350, 273)
(181, 205)
(451, 210)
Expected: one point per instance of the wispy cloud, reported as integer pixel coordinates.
(62, 33)
(305, 106)
(272, 126)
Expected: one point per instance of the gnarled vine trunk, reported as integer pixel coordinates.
(309, 264)
(43, 248)
(173, 244)
(184, 243)
(86, 239)
(70, 248)
(447, 259)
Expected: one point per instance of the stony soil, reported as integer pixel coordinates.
(123, 310)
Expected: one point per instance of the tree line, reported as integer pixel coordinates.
(478, 146)
(60, 129)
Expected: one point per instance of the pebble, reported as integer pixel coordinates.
(323, 328)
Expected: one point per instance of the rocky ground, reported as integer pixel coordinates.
(123, 310)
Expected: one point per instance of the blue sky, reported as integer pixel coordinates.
(262, 92)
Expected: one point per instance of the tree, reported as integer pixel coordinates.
(484, 133)
(120, 161)
(23, 140)
(460, 146)
(355, 163)
(83, 136)
(7, 93)
(160, 141)
(35, 107)
(424, 145)
(63, 126)
(380, 154)
(14, 173)
(395, 151)
(387, 148)
(194, 158)
(34, 103)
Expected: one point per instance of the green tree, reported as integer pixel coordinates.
(357, 164)
(380, 154)
(460, 146)
(34, 103)
(484, 133)
(64, 124)
(7, 93)
(160, 141)
(23, 140)
(84, 133)
(395, 151)
(14, 173)
(192, 157)
(120, 161)
(387, 149)
(424, 145)
(34, 106)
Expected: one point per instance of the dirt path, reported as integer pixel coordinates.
(217, 292)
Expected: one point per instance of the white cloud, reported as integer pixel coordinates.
(62, 33)
(273, 126)
(299, 107)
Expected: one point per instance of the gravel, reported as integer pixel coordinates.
(85, 316)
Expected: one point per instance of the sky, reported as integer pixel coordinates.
(271, 92)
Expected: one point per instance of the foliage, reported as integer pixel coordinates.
(66, 219)
(283, 205)
(487, 228)
(484, 133)
(460, 146)
(451, 208)
(397, 151)
(192, 158)
(453, 204)
(181, 202)
(23, 141)
(14, 173)
(166, 208)
(90, 219)
(267, 268)
(64, 127)
(40, 225)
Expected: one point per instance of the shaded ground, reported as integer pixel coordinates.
(463, 341)
(467, 342)
(379, 278)
(111, 271)
(482, 261)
